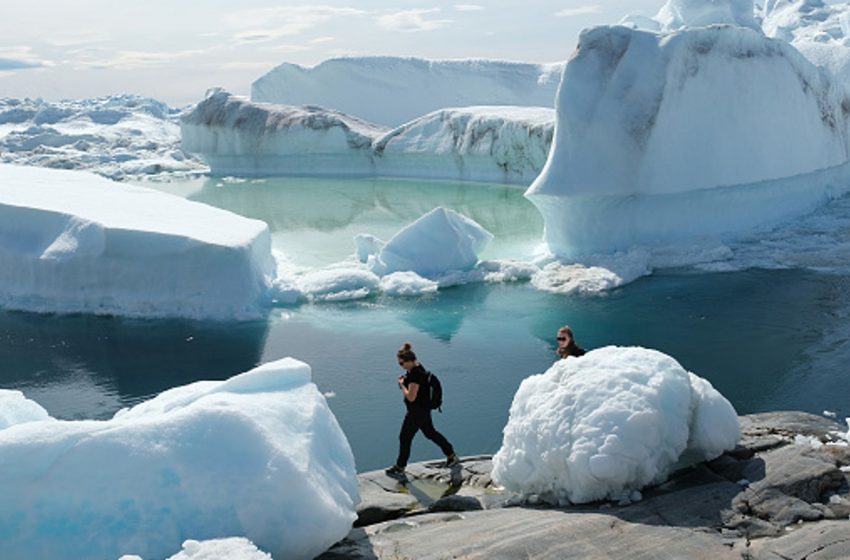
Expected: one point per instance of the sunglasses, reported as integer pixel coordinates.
(560, 338)
(401, 362)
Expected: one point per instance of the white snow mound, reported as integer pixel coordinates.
(17, 409)
(71, 241)
(393, 90)
(665, 137)
(259, 455)
(676, 14)
(440, 241)
(608, 423)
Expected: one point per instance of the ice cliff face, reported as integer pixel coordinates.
(122, 136)
(239, 137)
(393, 90)
(654, 130)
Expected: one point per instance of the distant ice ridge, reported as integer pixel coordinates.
(391, 91)
(664, 137)
(605, 425)
(71, 241)
(238, 137)
(678, 14)
(260, 456)
(120, 137)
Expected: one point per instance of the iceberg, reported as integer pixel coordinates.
(677, 14)
(609, 423)
(494, 144)
(662, 137)
(820, 31)
(258, 456)
(119, 136)
(239, 137)
(438, 242)
(391, 91)
(71, 241)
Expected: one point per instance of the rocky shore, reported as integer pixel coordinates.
(782, 494)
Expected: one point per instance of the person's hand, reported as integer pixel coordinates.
(401, 381)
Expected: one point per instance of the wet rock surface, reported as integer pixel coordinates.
(783, 493)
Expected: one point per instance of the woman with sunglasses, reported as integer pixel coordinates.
(414, 386)
(566, 343)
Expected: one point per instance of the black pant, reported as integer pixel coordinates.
(419, 419)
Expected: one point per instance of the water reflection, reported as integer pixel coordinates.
(314, 220)
(82, 366)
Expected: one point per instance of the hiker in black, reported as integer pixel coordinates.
(414, 387)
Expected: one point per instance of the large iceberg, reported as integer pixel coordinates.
(119, 136)
(677, 14)
(706, 131)
(498, 144)
(71, 241)
(259, 455)
(393, 90)
(609, 423)
(239, 137)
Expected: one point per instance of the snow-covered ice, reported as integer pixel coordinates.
(440, 241)
(676, 14)
(238, 137)
(496, 143)
(663, 137)
(259, 456)
(499, 144)
(16, 409)
(71, 241)
(394, 90)
(609, 423)
(233, 548)
(120, 136)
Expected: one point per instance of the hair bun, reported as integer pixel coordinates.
(407, 347)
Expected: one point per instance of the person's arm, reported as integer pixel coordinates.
(410, 391)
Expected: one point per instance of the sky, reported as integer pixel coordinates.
(174, 51)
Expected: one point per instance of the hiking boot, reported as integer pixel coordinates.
(452, 460)
(394, 470)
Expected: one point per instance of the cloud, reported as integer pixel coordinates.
(468, 7)
(580, 11)
(79, 37)
(412, 20)
(268, 24)
(20, 58)
(12, 64)
(318, 40)
(125, 60)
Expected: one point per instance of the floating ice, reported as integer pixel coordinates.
(259, 455)
(440, 241)
(609, 423)
(122, 136)
(238, 137)
(234, 548)
(74, 242)
(676, 14)
(666, 137)
(393, 90)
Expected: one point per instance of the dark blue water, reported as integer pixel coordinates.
(766, 339)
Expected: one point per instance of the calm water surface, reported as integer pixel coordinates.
(766, 339)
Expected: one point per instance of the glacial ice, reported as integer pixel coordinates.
(394, 90)
(608, 423)
(238, 137)
(663, 137)
(677, 14)
(71, 241)
(120, 136)
(259, 455)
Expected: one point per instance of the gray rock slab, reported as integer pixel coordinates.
(826, 540)
(512, 533)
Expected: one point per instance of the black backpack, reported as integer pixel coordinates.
(435, 392)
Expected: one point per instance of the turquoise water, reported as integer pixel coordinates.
(767, 339)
